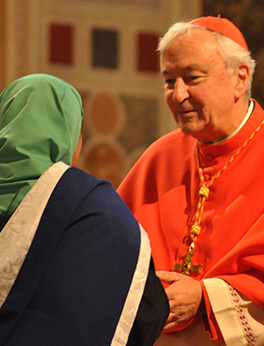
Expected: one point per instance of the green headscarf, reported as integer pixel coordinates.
(40, 124)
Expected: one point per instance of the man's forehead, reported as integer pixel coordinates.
(191, 40)
(190, 52)
(194, 34)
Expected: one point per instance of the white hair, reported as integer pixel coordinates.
(232, 53)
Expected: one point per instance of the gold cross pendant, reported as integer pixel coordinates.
(187, 266)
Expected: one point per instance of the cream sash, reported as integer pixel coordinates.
(17, 235)
(135, 293)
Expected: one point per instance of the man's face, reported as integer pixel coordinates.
(198, 90)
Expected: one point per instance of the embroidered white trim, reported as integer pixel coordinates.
(242, 317)
(240, 320)
(17, 235)
(224, 312)
(135, 293)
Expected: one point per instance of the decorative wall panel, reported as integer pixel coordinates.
(107, 50)
(147, 56)
(116, 130)
(61, 44)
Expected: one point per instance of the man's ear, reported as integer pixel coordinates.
(242, 79)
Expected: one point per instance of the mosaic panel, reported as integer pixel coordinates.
(104, 115)
(61, 44)
(147, 56)
(116, 130)
(141, 127)
(103, 159)
(105, 48)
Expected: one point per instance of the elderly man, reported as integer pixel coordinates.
(198, 191)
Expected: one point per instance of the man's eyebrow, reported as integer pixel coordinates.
(192, 67)
(188, 68)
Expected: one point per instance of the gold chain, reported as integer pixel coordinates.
(204, 191)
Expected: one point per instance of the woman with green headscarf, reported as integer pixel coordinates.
(40, 124)
(74, 263)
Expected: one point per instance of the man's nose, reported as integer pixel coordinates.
(180, 91)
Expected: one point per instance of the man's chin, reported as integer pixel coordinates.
(190, 130)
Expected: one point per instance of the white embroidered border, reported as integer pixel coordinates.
(135, 293)
(224, 311)
(17, 235)
(242, 317)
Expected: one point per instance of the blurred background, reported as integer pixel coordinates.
(107, 50)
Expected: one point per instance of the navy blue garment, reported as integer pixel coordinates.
(74, 281)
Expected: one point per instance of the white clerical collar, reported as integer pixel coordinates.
(249, 112)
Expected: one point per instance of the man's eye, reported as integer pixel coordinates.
(169, 81)
(192, 79)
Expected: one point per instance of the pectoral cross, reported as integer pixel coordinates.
(187, 266)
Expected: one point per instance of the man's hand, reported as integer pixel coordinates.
(184, 295)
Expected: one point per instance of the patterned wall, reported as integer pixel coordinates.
(116, 130)
(118, 124)
(107, 50)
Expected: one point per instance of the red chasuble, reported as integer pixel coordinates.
(162, 191)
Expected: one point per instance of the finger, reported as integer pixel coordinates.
(167, 277)
(169, 326)
(174, 320)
